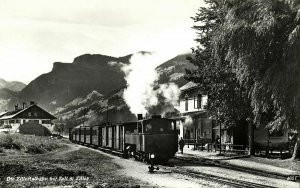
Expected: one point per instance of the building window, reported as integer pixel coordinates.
(18, 121)
(186, 103)
(11, 121)
(199, 101)
(29, 114)
(46, 121)
(35, 121)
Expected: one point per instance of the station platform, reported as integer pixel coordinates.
(244, 161)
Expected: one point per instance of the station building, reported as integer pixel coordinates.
(194, 123)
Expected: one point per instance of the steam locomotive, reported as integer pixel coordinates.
(153, 140)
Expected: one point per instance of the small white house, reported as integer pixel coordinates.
(32, 113)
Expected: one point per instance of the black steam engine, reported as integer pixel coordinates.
(152, 140)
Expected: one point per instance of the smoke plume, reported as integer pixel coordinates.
(143, 94)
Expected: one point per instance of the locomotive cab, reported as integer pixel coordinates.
(152, 139)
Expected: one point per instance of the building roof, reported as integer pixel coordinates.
(16, 113)
(189, 85)
(196, 113)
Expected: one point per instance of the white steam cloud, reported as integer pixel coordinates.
(143, 94)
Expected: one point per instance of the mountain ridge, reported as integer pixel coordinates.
(87, 73)
(11, 85)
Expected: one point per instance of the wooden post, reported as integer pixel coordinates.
(267, 149)
(251, 137)
(79, 134)
(99, 136)
(91, 135)
(220, 138)
(84, 136)
(195, 137)
(70, 134)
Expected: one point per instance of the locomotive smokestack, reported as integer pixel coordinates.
(140, 116)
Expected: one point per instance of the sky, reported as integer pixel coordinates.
(36, 33)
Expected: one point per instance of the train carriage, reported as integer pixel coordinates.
(77, 133)
(104, 133)
(96, 136)
(82, 135)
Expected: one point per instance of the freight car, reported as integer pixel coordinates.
(153, 140)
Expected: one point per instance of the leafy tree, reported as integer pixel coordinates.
(227, 100)
(259, 42)
(70, 123)
(59, 128)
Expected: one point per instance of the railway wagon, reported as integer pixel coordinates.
(96, 136)
(82, 135)
(88, 136)
(77, 135)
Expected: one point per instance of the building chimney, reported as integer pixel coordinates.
(24, 105)
(31, 103)
(16, 107)
(140, 116)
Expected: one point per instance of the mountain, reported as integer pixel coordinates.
(88, 111)
(6, 96)
(13, 85)
(173, 70)
(68, 81)
(9, 92)
(92, 109)
(81, 89)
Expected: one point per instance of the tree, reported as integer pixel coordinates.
(228, 100)
(257, 43)
(59, 128)
(260, 41)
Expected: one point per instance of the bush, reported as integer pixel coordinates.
(7, 142)
(30, 144)
(32, 149)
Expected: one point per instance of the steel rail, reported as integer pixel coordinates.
(218, 179)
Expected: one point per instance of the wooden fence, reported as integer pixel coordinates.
(283, 150)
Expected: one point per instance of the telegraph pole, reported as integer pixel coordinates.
(107, 112)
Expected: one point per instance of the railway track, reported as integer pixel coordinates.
(194, 160)
(218, 179)
(196, 174)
